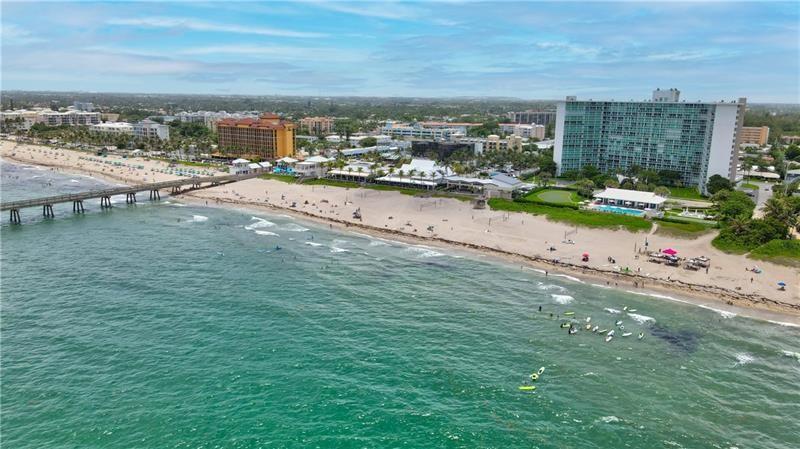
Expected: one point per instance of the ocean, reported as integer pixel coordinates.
(164, 325)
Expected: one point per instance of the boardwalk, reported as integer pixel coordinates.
(105, 194)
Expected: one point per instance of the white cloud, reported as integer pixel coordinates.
(200, 25)
(378, 10)
(15, 35)
(283, 52)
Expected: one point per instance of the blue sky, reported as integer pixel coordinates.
(532, 50)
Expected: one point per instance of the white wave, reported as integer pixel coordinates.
(609, 419)
(377, 243)
(743, 358)
(266, 233)
(792, 354)
(538, 270)
(424, 252)
(641, 319)
(562, 299)
(339, 250)
(601, 286)
(610, 310)
(781, 323)
(199, 218)
(313, 244)
(546, 287)
(260, 223)
(722, 313)
(178, 204)
(566, 276)
(654, 295)
(292, 227)
(73, 180)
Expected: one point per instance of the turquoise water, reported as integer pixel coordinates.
(620, 210)
(163, 326)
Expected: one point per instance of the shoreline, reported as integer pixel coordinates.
(702, 296)
(694, 293)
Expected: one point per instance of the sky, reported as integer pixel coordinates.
(528, 50)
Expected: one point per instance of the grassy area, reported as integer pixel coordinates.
(284, 178)
(784, 252)
(686, 193)
(689, 229)
(749, 186)
(729, 246)
(404, 191)
(575, 217)
(556, 196)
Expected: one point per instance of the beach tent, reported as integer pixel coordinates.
(670, 251)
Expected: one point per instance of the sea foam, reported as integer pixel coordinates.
(562, 299)
(641, 319)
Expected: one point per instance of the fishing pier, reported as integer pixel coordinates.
(176, 187)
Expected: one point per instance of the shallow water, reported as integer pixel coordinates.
(163, 326)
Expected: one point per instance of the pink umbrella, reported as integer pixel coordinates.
(670, 251)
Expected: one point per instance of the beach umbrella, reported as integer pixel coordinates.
(782, 284)
(670, 251)
(585, 254)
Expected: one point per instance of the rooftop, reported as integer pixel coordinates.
(633, 196)
(265, 121)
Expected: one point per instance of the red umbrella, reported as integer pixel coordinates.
(670, 251)
(585, 254)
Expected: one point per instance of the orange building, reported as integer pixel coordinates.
(755, 134)
(267, 137)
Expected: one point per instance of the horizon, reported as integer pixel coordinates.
(437, 50)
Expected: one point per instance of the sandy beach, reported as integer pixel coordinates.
(523, 238)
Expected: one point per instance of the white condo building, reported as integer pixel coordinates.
(148, 129)
(696, 139)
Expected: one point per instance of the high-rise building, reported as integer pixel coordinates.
(538, 117)
(696, 139)
(267, 137)
(758, 135)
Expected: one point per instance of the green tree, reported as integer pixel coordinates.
(733, 204)
(585, 187)
(717, 183)
(661, 191)
(369, 142)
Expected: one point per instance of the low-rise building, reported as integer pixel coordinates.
(423, 173)
(313, 167)
(757, 135)
(792, 176)
(629, 198)
(510, 143)
(790, 139)
(70, 118)
(532, 131)
(317, 125)
(148, 129)
(417, 131)
(112, 128)
(239, 167)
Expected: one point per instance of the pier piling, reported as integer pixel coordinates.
(15, 216)
(47, 211)
(77, 207)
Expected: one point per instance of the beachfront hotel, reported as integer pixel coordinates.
(696, 139)
(268, 137)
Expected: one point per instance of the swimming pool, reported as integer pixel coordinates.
(620, 210)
